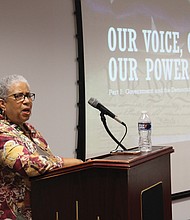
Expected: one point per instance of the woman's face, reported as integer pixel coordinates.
(17, 112)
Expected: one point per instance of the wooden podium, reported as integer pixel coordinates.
(117, 186)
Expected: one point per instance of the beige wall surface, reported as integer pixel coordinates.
(37, 40)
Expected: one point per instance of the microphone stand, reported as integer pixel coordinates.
(103, 119)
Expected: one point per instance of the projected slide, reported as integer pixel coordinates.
(137, 58)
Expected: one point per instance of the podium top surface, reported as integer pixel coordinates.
(131, 158)
(117, 160)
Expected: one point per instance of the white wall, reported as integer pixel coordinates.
(37, 40)
(180, 209)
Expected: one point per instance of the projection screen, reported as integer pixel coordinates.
(137, 58)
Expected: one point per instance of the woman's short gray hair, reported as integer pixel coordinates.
(7, 81)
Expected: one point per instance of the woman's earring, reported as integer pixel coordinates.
(3, 113)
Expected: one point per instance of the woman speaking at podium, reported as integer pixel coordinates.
(23, 151)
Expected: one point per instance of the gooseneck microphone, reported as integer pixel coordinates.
(96, 104)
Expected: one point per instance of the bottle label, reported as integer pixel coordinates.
(144, 126)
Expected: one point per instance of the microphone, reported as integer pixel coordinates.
(94, 103)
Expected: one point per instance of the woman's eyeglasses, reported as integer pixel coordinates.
(20, 97)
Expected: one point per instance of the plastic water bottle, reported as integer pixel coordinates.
(144, 128)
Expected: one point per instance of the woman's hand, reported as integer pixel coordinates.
(71, 161)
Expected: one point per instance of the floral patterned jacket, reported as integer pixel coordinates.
(21, 157)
